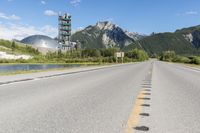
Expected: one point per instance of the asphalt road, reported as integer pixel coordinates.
(102, 101)
(175, 100)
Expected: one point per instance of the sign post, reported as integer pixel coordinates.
(119, 55)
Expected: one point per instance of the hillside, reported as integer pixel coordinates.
(16, 48)
(105, 35)
(185, 41)
(192, 35)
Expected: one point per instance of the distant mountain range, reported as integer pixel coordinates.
(184, 41)
(107, 34)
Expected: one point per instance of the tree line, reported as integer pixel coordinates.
(72, 56)
(171, 56)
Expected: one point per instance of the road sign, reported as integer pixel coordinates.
(119, 54)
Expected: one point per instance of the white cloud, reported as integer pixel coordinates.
(11, 17)
(191, 13)
(188, 13)
(16, 31)
(75, 2)
(50, 13)
(108, 19)
(49, 29)
(43, 2)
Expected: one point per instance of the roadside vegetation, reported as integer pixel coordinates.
(16, 48)
(74, 56)
(171, 56)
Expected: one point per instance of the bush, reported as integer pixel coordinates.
(195, 60)
(172, 57)
(138, 55)
(168, 56)
(91, 53)
(109, 52)
(181, 59)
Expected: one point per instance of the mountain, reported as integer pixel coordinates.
(184, 41)
(105, 35)
(134, 35)
(192, 35)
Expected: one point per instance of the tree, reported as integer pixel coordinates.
(137, 54)
(168, 56)
(13, 46)
(110, 52)
(59, 54)
(91, 53)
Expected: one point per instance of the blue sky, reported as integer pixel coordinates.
(20, 18)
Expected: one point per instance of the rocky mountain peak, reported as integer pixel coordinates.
(106, 25)
(104, 35)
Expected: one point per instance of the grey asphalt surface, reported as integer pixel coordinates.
(101, 101)
(174, 104)
(97, 101)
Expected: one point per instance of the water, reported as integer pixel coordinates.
(28, 67)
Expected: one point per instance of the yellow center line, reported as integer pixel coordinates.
(134, 116)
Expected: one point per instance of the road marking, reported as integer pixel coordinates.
(135, 114)
(142, 128)
(144, 114)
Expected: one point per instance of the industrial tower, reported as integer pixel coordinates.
(64, 31)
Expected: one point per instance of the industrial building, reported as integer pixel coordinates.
(62, 42)
(64, 32)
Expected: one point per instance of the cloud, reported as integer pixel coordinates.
(75, 2)
(16, 31)
(49, 29)
(43, 2)
(191, 13)
(50, 13)
(188, 13)
(11, 17)
(107, 19)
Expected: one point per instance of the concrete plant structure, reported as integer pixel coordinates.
(64, 32)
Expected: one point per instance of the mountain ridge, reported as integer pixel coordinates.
(184, 41)
(104, 35)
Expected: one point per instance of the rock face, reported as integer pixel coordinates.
(134, 35)
(196, 38)
(191, 34)
(105, 35)
(189, 37)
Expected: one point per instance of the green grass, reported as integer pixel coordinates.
(17, 48)
(53, 69)
(81, 63)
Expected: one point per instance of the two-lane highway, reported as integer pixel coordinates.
(151, 96)
(89, 102)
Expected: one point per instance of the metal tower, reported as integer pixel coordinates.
(64, 31)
